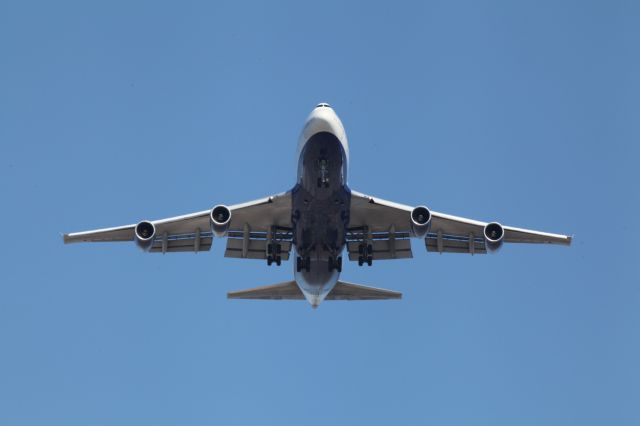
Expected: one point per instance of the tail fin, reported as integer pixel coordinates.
(289, 290)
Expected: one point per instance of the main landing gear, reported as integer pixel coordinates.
(274, 254)
(365, 254)
(335, 263)
(303, 263)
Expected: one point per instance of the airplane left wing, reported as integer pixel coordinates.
(447, 233)
(251, 223)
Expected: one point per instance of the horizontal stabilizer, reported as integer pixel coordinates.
(289, 290)
(348, 291)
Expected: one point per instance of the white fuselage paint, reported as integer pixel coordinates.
(322, 119)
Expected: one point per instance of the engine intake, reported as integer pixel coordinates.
(420, 221)
(493, 236)
(145, 233)
(220, 219)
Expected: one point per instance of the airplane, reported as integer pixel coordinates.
(317, 219)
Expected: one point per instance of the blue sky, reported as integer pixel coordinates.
(521, 112)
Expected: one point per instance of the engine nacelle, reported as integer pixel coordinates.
(420, 221)
(220, 218)
(145, 233)
(493, 236)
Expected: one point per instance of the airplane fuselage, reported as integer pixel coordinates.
(320, 204)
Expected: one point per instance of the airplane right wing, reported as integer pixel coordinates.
(387, 223)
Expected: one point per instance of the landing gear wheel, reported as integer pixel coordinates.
(278, 260)
(369, 260)
(339, 264)
(299, 264)
(360, 260)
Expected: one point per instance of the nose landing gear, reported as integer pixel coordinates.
(323, 180)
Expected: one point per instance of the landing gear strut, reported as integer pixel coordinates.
(323, 180)
(274, 251)
(365, 254)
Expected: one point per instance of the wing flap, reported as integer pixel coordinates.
(183, 243)
(383, 249)
(256, 249)
(441, 243)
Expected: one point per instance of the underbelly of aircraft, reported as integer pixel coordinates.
(320, 210)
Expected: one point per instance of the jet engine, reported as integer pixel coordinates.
(493, 236)
(220, 219)
(145, 233)
(420, 221)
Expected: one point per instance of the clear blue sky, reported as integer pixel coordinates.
(524, 113)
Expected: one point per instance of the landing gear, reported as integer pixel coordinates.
(274, 251)
(303, 263)
(323, 180)
(335, 264)
(365, 254)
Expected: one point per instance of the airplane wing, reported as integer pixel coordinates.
(251, 225)
(386, 221)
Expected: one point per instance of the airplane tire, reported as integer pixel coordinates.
(278, 260)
